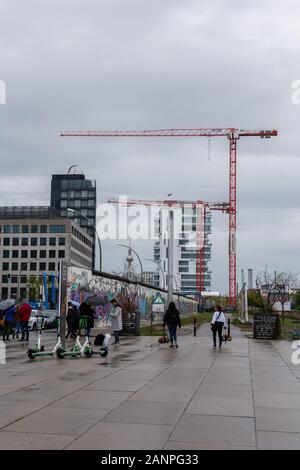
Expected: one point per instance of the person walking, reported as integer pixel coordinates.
(24, 313)
(9, 320)
(217, 323)
(172, 320)
(116, 320)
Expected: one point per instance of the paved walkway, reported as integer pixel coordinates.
(147, 396)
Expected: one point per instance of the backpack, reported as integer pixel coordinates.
(99, 340)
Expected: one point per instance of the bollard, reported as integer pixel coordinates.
(195, 326)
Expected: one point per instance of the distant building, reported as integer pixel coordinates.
(184, 256)
(74, 191)
(32, 241)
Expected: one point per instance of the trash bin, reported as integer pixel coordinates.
(131, 324)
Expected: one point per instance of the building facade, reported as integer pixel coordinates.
(33, 240)
(184, 252)
(74, 191)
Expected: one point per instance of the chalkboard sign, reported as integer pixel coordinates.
(266, 326)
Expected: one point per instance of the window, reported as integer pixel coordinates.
(57, 228)
(16, 229)
(14, 266)
(4, 292)
(14, 279)
(43, 253)
(16, 241)
(13, 291)
(24, 241)
(5, 253)
(77, 203)
(34, 241)
(91, 203)
(64, 194)
(32, 266)
(51, 266)
(51, 253)
(84, 194)
(33, 254)
(61, 253)
(15, 254)
(61, 241)
(23, 266)
(44, 228)
(4, 279)
(24, 254)
(42, 266)
(64, 203)
(5, 266)
(25, 228)
(23, 279)
(6, 241)
(52, 241)
(6, 229)
(43, 241)
(34, 228)
(71, 194)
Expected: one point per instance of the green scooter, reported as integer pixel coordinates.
(78, 349)
(39, 349)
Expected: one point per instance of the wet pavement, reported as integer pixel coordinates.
(144, 395)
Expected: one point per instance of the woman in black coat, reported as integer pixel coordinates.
(172, 320)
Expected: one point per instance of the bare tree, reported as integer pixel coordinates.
(274, 288)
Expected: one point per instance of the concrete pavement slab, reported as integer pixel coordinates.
(277, 400)
(30, 441)
(221, 406)
(278, 440)
(115, 383)
(274, 419)
(135, 411)
(219, 430)
(53, 420)
(172, 445)
(96, 399)
(106, 435)
(225, 390)
(164, 393)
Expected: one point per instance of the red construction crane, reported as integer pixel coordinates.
(233, 135)
(201, 211)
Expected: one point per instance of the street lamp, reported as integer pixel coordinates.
(161, 269)
(141, 266)
(93, 226)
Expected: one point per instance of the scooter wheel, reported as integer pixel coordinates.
(30, 353)
(88, 353)
(60, 353)
(103, 352)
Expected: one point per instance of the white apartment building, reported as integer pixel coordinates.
(184, 255)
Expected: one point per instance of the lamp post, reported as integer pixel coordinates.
(138, 257)
(161, 269)
(93, 226)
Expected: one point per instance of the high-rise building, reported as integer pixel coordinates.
(184, 256)
(33, 240)
(74, 191)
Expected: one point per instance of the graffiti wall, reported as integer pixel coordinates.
(82, 283)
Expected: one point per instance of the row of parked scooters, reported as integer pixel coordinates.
(77, 350)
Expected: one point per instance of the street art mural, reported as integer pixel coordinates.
(82, 283)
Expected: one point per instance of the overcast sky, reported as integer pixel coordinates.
(142, 64)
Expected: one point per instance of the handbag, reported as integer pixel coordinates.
(214, 326)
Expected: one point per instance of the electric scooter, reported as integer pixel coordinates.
(78, 349)
(39, 350)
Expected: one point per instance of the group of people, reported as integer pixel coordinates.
(15, 319)
(172, 320)
(85, 310)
